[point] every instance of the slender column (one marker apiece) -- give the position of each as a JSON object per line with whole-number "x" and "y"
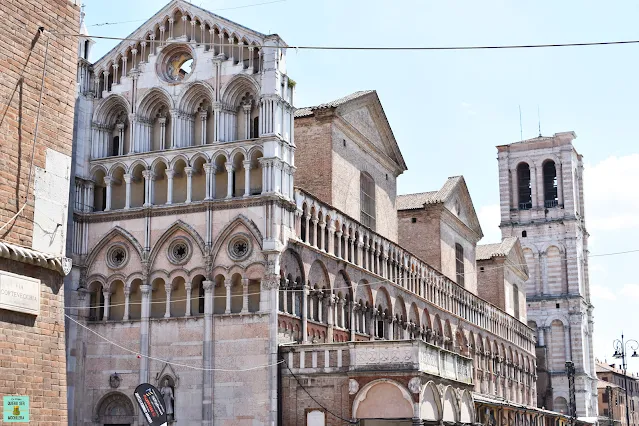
{"x": 322, "y": 233}
{"x": 567, "y": 342}
{"x": 124, "y": 60}
{"x": 152, "y": 48}
{"x": 207, "y": 356}
{"x": 331, "y": 239}
{"x": 116, "y": 79}
{"x": 307, "y": 230}
{"x": 208, "y": 168}
{"x": 229, "y": 187}
{"x": 89, "y": 202}
{"x": 143, "y": 55}
{"x": 120, "y": 127}
{"x": 214, "y": 170}
{"x": 127, "y": 294}
{"x": 533, "y": 186}
{"x": 227, "y": 284}
{"x": 338, "y": 235}
{"x": 250, "y": 49}
{"x": 314, "y": 242}
{"x": 162, "y": 38}
{"x": 134, "y": 52}
{"x": 127, "y": 180}
{"x": 108, "y": 181}
{"x": 167, "y": 311}
{"x": 217, "y": 110}
{"x": 169, "y": 186}
{"x": 189, "y": 176}
{"x": 105, "y": 74}
{"x": 247, "y": 177}
{"x": 212, "y": 37}
{"x": 192, "y": 30}
{"x": 162, "y": 121}
{"x": 247, "y": 119}
{"x": 184, "y": 26}
{"x": 320, "y": 306}
{"x": 231, "y": 42}
{"x": 245, "y": 286}
{"x": 187, "y": 288}
{"x": 203, "y": 115}
{"x": 305, "y": 291}
{"x": 107, "y": 300}
{"x": 148, "y": 182}
{"x": 133, "y": 127}
{"x": 560, "y": 184}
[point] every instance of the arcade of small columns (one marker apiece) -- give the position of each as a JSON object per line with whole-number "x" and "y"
{"x": 164, "y": 298}
{"x": 225, "y": 44}
{"x": 317, "y": 307}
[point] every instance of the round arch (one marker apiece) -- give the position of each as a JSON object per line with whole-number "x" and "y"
{"x": 383, "y": 398}
{"x": 115, "y": 408}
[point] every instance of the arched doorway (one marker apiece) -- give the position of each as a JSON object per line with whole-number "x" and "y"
{"x": 383, "y": 402}
{"x": 115, "y": 409}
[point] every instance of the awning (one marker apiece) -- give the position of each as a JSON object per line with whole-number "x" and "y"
{"x": 60, "y": 264}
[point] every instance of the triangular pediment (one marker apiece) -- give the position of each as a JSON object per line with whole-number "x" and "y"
{"x": 367, "y": 119}
{"x": 456, "y": 199}
{"x": 182, "y": 8}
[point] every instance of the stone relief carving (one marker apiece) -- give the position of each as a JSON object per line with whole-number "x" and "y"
{"x": 415, "y": 385}
{"x": 353, "y": 387}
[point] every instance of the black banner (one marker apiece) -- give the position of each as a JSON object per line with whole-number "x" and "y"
{"x": 152, "y": 404}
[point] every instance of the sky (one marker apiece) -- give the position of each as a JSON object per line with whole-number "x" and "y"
{"x": 449, "y": 109}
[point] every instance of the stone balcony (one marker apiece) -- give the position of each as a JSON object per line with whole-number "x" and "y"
{"x": 378, "y": 356}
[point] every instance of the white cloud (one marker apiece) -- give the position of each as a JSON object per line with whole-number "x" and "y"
{"x": 598, "y": 292}
{"x": 611, "y": 193}
{"x": 489, "y": 218}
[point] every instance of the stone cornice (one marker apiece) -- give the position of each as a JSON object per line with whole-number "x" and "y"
{"x": 60, "y": 264}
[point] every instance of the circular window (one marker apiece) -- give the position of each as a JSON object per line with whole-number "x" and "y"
{"x": 239, "y": 247}
{"x": 179, "y": 251}
{"x": 117, "y": 257}
{"x": 175, "y": 63}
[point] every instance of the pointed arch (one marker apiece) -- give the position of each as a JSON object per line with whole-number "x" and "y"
{"x": 193, "y": 95}
{"x": 148, "y": 102}
{"x": 179, "y": 225}
{"x": 467, "y": 408}
{"x": 450, "y": 406}
{"x": 232, "y": 92}
{"x": 240, "y": 219}
{"x": 108, "y": 110}
{"x": 106, "y": 239}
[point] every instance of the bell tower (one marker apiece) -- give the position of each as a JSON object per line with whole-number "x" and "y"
{"x": 541, "y": 202}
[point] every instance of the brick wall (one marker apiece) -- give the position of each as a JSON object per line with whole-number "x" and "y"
{"x": 32, "y": 347}
{"x": 21, "y": 70}
{"x": 313, "y": 157}
{"x": 32, "y": 358}
{"x": 421, "y": 238}
{"x": 490, "y": 282}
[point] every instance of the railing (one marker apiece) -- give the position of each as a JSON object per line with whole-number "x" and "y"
{"x": 384, "y": 258}
{"x": 379, "y": 355}
{"x": 525, "y": 206}
{"x": 551, "y": 203}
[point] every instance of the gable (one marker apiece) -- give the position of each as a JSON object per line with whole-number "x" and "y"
{"x": 459, "y": 203}
{"x": 199, "y": 14}
{"x": 361, "y": 119}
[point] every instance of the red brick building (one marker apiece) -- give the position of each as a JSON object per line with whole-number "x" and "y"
{"x": 36, "y": 129}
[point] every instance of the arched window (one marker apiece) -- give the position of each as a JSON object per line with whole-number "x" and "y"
{"x": 256, "y": 128}
{"x": 367, "y": 200}
{"x": 86, "y": 49}
{"x": 115, "y": 148}
{"x": 459, "y": 264}
{"x": 550, "y": 184}
{"x": 524, "y": 187}
{"x": 524, "y": 234}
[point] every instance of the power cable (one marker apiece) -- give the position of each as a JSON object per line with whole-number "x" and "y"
{"x": 177, "y": 364}
{"x": 350, "y": 422}
{"x": 35, "y": 132}
{"x": 385, "y": 48}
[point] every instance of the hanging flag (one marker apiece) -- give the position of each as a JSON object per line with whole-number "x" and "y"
{"x": 152, "y": 404}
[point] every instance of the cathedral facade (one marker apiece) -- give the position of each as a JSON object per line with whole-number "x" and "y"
{"x": 262, "y": 279}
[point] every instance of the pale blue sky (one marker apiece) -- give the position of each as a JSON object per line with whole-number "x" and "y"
{"x": 449, "y": 110}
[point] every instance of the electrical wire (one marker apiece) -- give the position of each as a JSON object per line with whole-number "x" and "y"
{"x": 177, "y": 364}
{"x": 350, "y": 422}
{"x": 35, "y": 132}
{"x": 382, "y": 48}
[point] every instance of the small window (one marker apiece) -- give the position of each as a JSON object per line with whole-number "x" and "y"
{"x": 413, "y": 220}
{"x": 605, "y": 397}
{"x": 115, "y": 147}
{"x": 481, "y": 269}
{"x": 367, "y": 200}
{"x": 344, "y": 142}
{"x": 256, "y": 128}
{"x": 86, "y": 49}
{"x": 386, "y": 176}
{"x": 516, "y": 300}
{"x": 557, "y": 305}
{"x": 459, "y": 264}
{"x": 524, "y": 234}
